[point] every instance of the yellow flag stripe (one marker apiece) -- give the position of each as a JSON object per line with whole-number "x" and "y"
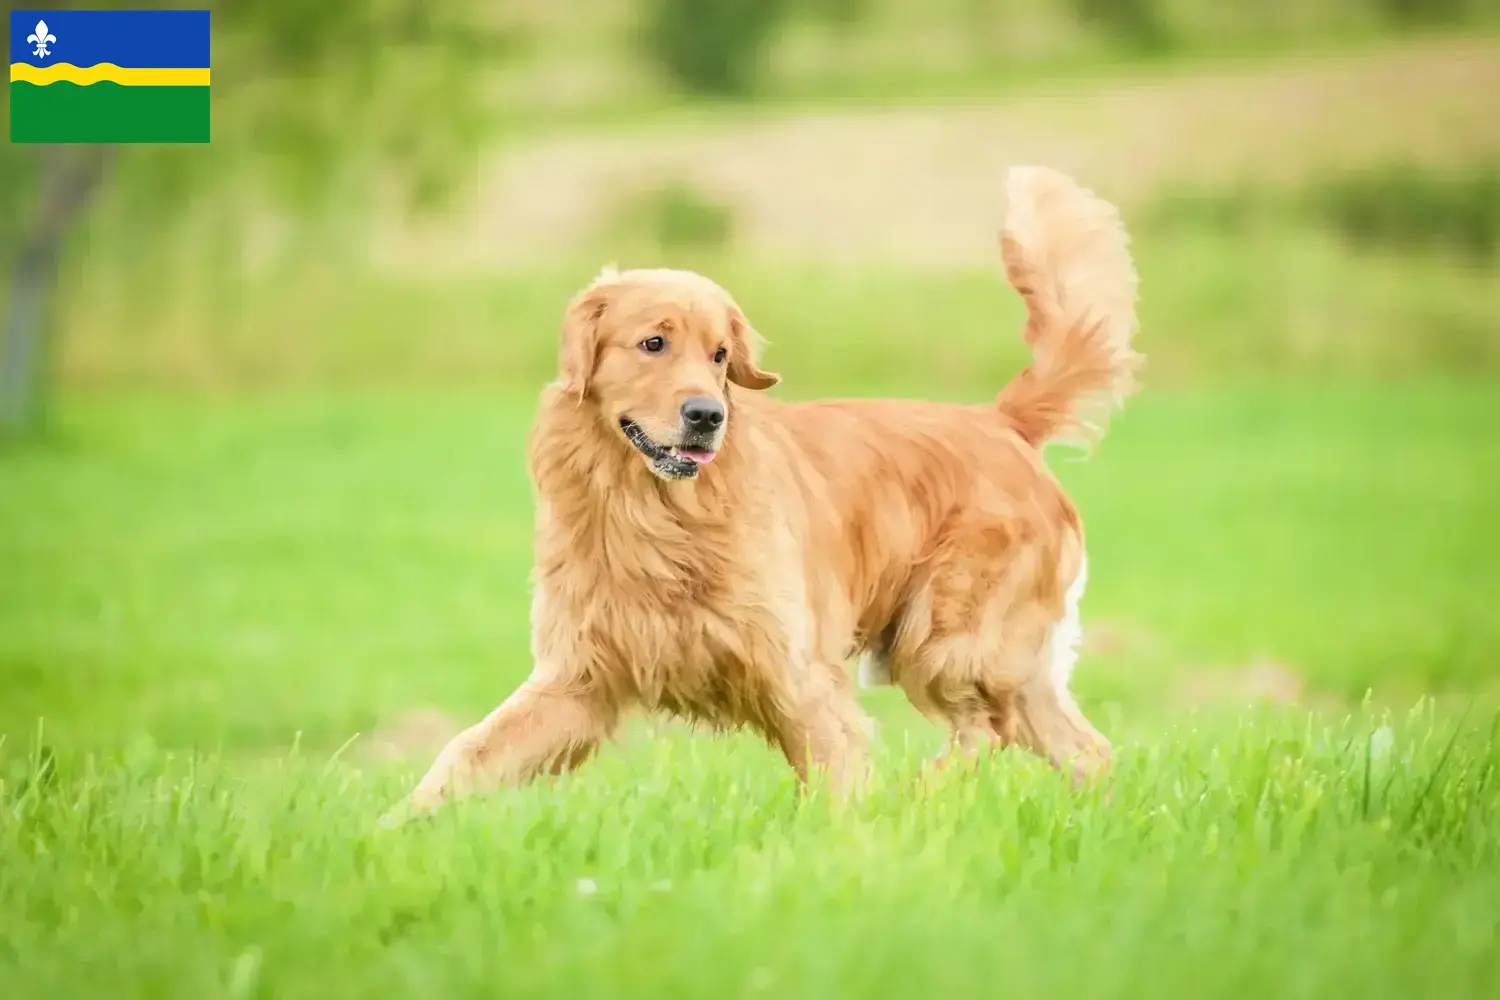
{"x": 107, "y": 73}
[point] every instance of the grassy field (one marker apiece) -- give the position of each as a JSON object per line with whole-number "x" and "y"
{"x": 1293, "y": 859}
{"x": 204, "y": 603}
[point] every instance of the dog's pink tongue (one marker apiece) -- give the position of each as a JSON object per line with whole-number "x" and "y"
{"x": 693, "y": 455}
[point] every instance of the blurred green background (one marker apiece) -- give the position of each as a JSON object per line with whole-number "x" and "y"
{"x": 265, "y": 400}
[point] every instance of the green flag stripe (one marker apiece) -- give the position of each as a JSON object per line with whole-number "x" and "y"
{"x": 107, "y": 112}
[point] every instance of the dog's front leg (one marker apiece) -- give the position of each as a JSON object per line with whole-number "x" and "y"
{"x": 540, "y": 728}
{"x": 822, "y": 731}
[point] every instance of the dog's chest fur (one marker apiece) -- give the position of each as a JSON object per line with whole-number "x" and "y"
{"x": 647, "y": 589}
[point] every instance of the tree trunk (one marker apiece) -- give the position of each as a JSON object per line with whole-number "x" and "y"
{"x": 70, "y": 176}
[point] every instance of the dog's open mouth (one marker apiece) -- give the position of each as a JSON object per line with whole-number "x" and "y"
{"x": 668, "y": 461}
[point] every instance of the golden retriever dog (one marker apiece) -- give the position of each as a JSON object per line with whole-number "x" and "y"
{"x": 706, "y": 550}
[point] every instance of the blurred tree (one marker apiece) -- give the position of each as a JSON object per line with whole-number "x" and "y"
{"x": 843, "y": 15}
{"x": 307, "y": 99}
{"x": 1142, "y": 27}
{"x": 1428, "y": 13}
{"x": 715, "y": 47}
{"x": 711, "y": 47}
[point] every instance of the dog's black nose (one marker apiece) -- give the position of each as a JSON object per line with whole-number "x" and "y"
{"x": 702, "y": 414}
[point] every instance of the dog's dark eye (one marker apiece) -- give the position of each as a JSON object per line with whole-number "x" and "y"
{"x": 654, "y": 345}
{"x": 720, "y": 355}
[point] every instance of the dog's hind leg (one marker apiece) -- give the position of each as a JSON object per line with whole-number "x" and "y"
{"x": 991, "y": 650}
{"x": 1042, "y": 714}
{"x": 1038, "y": 717}
{"x": 537, "y": 730}
{"x": 1045, "y": 719}
{"x": 970, "y": 720}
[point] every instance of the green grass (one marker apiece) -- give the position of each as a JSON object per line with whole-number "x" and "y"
{"x": 1277, "y": 859}
{"x": 193, "y": 588}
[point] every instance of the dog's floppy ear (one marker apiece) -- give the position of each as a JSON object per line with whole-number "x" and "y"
{"x": 578, "y": 348}
{"x": 745, "y": 344}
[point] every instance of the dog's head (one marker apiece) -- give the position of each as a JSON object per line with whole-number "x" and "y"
{"x": 654, "y": 352}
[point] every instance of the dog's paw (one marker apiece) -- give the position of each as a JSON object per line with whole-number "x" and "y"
{"x": 397, "y": 816}
{"x": 417, "y": 806}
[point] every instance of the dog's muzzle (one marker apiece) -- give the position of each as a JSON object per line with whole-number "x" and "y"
{"x": 681, "y": 461}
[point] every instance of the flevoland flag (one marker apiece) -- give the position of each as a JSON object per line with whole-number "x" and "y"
{"x": 109, "y": 76}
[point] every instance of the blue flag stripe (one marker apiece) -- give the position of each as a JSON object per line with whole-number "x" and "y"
{"x": 135, "y": 39}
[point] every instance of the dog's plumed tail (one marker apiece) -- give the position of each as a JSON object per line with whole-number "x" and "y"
{"x": 1067, "y": 254}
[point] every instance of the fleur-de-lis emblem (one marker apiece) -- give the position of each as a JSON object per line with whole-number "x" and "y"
{"x": 40, "y": 39}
